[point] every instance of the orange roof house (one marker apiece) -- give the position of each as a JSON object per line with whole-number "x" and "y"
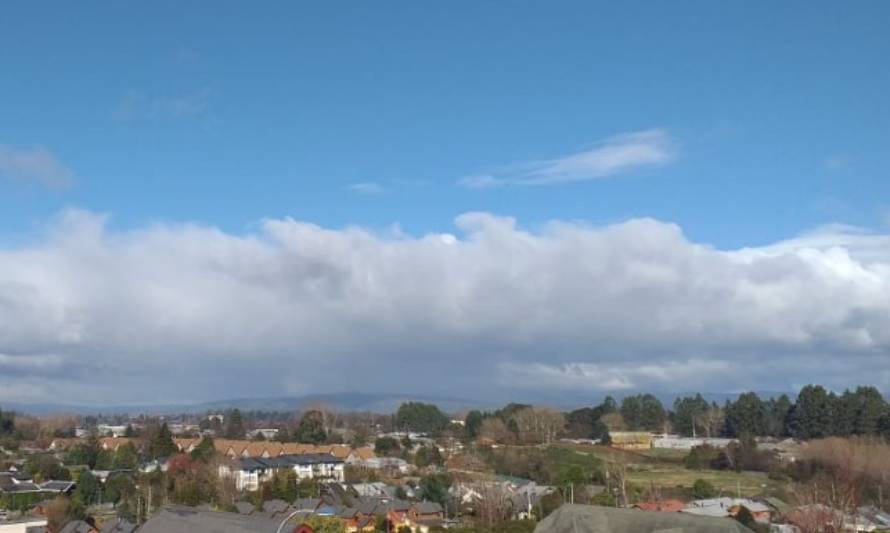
{"x": 663, "y": 506}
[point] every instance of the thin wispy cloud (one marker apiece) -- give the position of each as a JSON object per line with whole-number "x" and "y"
{"x": 139, "y": 106}
{"x": 365, "y": 187}
{"x": 35, "y": 165}
{"x": 615, "y": 155}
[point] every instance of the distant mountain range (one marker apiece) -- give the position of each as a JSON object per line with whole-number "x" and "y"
{"x": 358, "y": 401}
{"x": 376, "y": 403}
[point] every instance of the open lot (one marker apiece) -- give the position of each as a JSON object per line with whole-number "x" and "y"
{"x": 664, "y": 469}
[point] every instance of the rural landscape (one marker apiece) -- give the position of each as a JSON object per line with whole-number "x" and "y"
{"x": 817, "y": 462}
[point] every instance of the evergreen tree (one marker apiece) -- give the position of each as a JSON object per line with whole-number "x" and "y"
{"x": 869, "y": 407}
{"x": 311, "y": 428}
{"x": 472, "y": 424}
{"x": 643, "y": 412}
{"x": 234, "y": 425}
{"x": 161, "y": 444}
{"x": 421, "y": 417}
{"x": 204, "y": 451}
{"x": 777, "y": 416}
{"x": 812, "y": 416}
{"x": 746, "y": 416}
{"x": 689, "y": 415}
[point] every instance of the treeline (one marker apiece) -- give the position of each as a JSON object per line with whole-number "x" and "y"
{"x": 815, "y": 413}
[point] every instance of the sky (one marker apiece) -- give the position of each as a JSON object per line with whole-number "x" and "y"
{"x": 484, "y": 200}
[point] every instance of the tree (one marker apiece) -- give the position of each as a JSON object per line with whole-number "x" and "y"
{"x": 428, "y": 455}
{"x": 690, "y": 415}
{"x": 777, "y": 410}
{"x": 324, "y": 524}
{"x": 387, "y": 447}
{"x": 88, "y": 490}
{"x": 473, "y": 423}
{"x": 104, "y": 460}
{"x": 812, "y": 416}
{"x": 643, "y": 412}
{"x": 435, "y": 488}
{"x": 7, "y": 423}
{"x": 868, "y": 408}
{"x": 536, "y": 425}
{"x": 421, "y": 417}
{"x": 703, "y": 489}
{"x": 744, "y": 517}
{"x": 746, "y": 416}
{"x": 311, "y": 428}
{"x": 161, "y": 444}
{"x": 86, "y": 453}
{"x": 46, "y": 467}
{"x": 235, "y": 425}
{"x": 57, "y": 513}
{"x": 204, "y": 451}
{"x": 494, "y": 430}
{"x": 119, "y": 487}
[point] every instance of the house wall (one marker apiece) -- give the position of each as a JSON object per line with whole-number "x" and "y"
{"x": 21, "y": 527}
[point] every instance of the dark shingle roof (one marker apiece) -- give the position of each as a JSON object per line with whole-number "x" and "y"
{"x": 286, "y": 460}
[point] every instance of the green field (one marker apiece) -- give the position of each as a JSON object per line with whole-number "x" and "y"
{"x": 664, "y": 469}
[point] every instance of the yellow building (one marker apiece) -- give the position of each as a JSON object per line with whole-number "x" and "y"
{"x": 631, "y": 440}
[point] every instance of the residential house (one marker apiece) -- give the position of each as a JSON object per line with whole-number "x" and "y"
{"x": 729, "y": 507}
{"x": 676, "y": 442}
{"x": 661, "y": 506}
{"x": 389, "y": 464}
{"x": 251, "y": 472}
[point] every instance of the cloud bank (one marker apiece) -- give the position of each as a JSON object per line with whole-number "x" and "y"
{"x": 622, "y": 153}
{"x": 189, "y": 312}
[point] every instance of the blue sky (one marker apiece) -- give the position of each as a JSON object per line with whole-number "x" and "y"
{"x": 228, "y": 115}
{"x": 565, "y": 196}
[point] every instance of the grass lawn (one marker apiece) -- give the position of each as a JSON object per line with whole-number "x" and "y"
{"x": 664, "y": 469}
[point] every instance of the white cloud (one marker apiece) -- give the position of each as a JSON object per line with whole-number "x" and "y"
{"x": 191, "y": 312}
{"x": 622, "y": 153}
{"x": 365, "y": 187}
{"x": 34, "y": 165}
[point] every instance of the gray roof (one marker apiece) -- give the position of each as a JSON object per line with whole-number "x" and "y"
{"x": 306, "y": 504}
{"x": 275, "y": 506}
{"x": 593, "y": 519}
{"x": 118, "y": 526}
{"x": 77, "y": 526}
{"x": 427, "y": 507}
{"x": 398, "y": 505}
{"x": 7, "y": 484}
{"x": 348, "y": 512}
{"x": 286, "y": 460}
{"x": 57, "y": 486}
{"x": 366, "y": 505}
{"x": 188, "y": 520}
{"x": 244, "y": 507}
